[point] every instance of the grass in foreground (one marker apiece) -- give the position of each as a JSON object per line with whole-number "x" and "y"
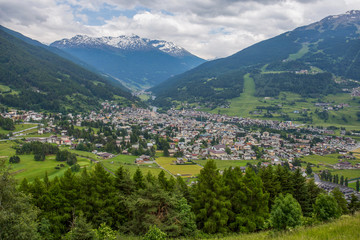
{"x": 344, "y": 228}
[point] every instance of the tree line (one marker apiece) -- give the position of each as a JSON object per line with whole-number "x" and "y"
{"x": 219, "y": 203}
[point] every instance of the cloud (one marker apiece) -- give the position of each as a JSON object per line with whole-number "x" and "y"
{"x": 207, "y": 28}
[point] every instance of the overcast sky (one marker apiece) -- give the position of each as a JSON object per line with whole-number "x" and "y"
{"x": 207, "y": 28}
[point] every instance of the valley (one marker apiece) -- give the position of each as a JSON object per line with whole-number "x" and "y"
{"x": 125, "y": 137}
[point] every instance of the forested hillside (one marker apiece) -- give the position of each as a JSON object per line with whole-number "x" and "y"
{"x": 306, "y": 60}
{"x": 33, "y": 78}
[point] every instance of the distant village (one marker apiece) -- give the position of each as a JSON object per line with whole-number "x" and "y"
{"x": 197, "y": 135}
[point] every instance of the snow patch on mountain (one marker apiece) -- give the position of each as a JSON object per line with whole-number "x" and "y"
{"x": 132, "y": 42}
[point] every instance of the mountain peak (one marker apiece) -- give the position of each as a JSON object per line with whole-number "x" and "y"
{"x": 125, "y": 42}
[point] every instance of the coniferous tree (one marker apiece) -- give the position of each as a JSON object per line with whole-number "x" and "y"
{"x": 80, "y": 230}
{"x": 300, "y": 192}
{"x": 357, "y": 185}
{"x": 342, "y": 180}
{"x": 283, "y": 175}
{"x": 102, "y": 198}
{"x": 211, "y": 207}
{"x": 340, "y": 199}
{"x": 249, "y": 205}
{"x": 346, "y": 182}
{"x": 138, "y": 179}
{"x": 271, "y": 184}
{"x": 354, "y": 204}
{"x": 17, "y": 214}
{"x": 313, "y": 193}
{"x": 308, "y": 169}
{"x": 123, "y": 182}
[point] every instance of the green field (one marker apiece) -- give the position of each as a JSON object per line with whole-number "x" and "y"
{"x": 326, "y": 162}
{"x": 291, "y": 104}
{"x": 128, "y": 162}
{"x": 30, "y": 169}
{"x": 18, "y": 127}
{"x": 222, "y": 164}
{"x": 183, "y": 170}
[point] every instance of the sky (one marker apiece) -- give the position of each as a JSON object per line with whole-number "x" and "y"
{"x": 207, "y": 28}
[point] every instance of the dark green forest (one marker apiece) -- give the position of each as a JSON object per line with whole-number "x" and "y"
{"x": 307, "y": 85}
{"x": 94, "y": 201}
{"x": 41, "y": 80}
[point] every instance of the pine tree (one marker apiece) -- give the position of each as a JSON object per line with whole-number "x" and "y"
{"x": 80, "y": 230}
{"x": 300, "y": 192}
{"x": 283, "y": 175}
{"x": 17, "y": 215}
{"x": 138, "y": 179}
{"x": 102, "y": 198}
{"x": 357, "y": 185}
{"x": 249, "y": 205}
{"x": 342, "y": 180}
{"x": 354, "y": 204}
{"x": 308, "y": 169}
{"x": 123, "y": 182}
{"x": 346, "y": 182}
{"x": 211, "y": 207}
{"x": 313, "y": 193}
{"x": 271, "y": 184}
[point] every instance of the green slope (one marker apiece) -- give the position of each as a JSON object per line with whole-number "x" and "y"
{"x": 37, "y": 79}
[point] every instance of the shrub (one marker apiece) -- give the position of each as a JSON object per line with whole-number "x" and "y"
{"x": 326, "y": 208}
{"x": 285, "y": 213}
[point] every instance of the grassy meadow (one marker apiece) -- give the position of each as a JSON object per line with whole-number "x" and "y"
{"x": 128, "y": 162}
{"x": 183, "y": 170}
{"x": 19, "y": 127}
{"x": 291, "y": 104}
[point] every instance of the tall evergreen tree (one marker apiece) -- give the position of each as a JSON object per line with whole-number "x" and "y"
{"x": 211, "y": 207}
{"x": 271, "y": 184}
{"x": 249, "y": 205}
{"x": 123, "y": 182}
{"x": 284, "y": 176}
{"x": 138, "y": 178}
{"x": 357, "y": 185}
{"x": 301, "y": 193}
{"x": 17, "y": 214}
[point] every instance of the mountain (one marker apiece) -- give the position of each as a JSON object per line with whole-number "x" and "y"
{"x": 137, "y": 62}
{"x": 321, "y": 51}
{"x": 62, "y": 54}
{"x": 32, "y": 77}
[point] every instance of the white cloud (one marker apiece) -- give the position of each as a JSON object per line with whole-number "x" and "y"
{"x": 208, "y": 28}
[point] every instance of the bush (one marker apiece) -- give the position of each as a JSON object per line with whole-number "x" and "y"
{"x": 14, "y": 159}
{"x": 326, "y": 208}
{"x": 75, "y": 168}
{"x": 154, "y": 233}
{"x": 285, "y": 213}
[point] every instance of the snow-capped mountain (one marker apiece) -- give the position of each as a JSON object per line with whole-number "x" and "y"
{"x": 133, "y": 42}
{"x": 136, "y": 62}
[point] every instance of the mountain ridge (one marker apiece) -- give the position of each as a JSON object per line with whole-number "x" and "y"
{"x": 329, "y": 45}
{"x": 139, "y": 63}
{"x": 32, "y": 77}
